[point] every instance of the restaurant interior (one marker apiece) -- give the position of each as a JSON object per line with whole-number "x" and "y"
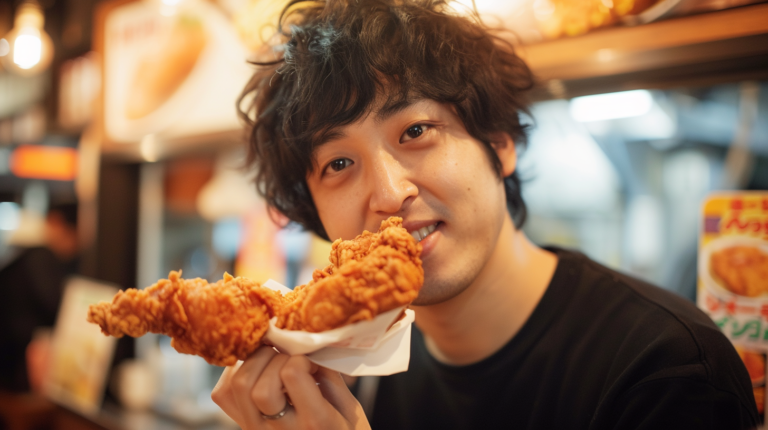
{"x": 122, "y": 114}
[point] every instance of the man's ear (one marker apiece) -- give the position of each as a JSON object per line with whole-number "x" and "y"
{"x": 504, "y": 146}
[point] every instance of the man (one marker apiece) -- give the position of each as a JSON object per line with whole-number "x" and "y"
{"x": 384, "y": 107}
{"x": 31, "y": 286}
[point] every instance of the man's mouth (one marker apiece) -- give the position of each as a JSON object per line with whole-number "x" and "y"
{"x": 423, "y": 232}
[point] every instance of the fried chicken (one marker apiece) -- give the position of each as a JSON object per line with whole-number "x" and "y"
{"x": 225, "y": 321}
{"x": 741, "y": 269}
{"x": 369, "y": 275}
{"x": 221, "y": 322}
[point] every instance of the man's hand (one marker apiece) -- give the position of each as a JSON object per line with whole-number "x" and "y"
{"x": 265, "y": 382}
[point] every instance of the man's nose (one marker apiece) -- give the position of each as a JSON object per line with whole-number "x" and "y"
{"x": 391, "y": 186}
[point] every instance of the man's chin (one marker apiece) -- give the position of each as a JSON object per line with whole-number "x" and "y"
{"x": 435, "y": 294}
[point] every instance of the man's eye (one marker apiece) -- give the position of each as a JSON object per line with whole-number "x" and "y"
{"x": 340, "y": 164}
{"x": 415, "y": 131}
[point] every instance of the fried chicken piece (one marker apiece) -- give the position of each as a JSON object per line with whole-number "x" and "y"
{"x": 741, "y": 269}
{"x": 343, "y": 251}
{"x": 225, "y": 321}
{"x": 222, "y": 322}
{"x": 369, "y": 275}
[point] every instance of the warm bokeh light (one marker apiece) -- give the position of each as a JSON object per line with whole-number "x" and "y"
{"x": 27, "y": 50}
{"x": 493, "y": 7}
{"x": 44, "y": 162}
{"x": 149, "y": 148}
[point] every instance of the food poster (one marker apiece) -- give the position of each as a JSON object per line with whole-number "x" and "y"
{"x": 171, "y": 71}
{"x": 733, "y": 276}
{"x": 80, "y": 353}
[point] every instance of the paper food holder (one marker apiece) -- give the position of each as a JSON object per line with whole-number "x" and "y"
{"x": 365, "y": 348}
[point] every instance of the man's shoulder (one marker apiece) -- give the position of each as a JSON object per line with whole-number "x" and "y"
{"x": 650, "y": 341}
{"x": 658, "y": 336}
{"x": 641, "y": 298}
{"x": 649, "y": 308}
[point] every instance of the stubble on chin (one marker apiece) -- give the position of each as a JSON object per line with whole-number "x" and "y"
{"x": 438, "y": 289}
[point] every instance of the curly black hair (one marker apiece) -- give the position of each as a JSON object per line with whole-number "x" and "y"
{"x": 338, "y": 58}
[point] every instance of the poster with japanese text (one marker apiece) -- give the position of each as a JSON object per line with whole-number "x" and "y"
{"x": 733, "y": 276}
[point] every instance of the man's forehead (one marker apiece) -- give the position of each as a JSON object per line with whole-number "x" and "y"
{"x": 380, "y": 112}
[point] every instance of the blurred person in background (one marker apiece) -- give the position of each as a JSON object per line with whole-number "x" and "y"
{"x": 379, "y": 108}
{"x": 31, "y": 285}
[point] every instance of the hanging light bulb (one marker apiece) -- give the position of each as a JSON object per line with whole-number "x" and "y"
{"x": 29, "y": 48}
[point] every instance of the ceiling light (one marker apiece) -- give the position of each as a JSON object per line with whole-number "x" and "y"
{"x": 491, "y": 7}
{"x": 611, "y": 106}
{"x": 28, "y": 49}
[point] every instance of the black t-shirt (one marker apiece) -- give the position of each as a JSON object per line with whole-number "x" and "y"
{"x": 600, "y": 351}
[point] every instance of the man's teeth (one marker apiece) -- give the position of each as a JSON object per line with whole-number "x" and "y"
{"x": 423, "y": 232}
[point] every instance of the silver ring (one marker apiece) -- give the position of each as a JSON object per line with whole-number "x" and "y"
{"x": 277, "y": 415}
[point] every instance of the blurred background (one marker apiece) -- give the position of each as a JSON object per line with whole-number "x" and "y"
{"x": 121, "y": 159}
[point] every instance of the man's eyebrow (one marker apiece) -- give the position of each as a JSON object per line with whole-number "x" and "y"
{"x": 390, "y": 109}
{"x": 330, "y": 135}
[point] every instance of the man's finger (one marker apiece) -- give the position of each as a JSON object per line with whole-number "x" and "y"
{"x": 223, "y": 395}
{"x": 267, "y": 394}
{"x": 335, "y": 390}
{"x": 245, "y": 378}
{"x": 296, "y": 376}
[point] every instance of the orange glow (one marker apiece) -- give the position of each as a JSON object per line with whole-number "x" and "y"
{"x": 44, "y": 162}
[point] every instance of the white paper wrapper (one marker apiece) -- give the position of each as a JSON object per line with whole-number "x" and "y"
{"x": 364, "y": 348}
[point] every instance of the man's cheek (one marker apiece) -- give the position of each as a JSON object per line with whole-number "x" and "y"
{"x": 445, "y": 173}
{"x": 346, "y": 224}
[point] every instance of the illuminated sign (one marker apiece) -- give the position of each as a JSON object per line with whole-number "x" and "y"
{"x": 44, "y": 162}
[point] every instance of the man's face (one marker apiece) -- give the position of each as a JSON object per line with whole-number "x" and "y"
{"x": 422, "y": 165}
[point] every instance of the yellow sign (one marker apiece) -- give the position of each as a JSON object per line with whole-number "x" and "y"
{"x": 733, "y": 276}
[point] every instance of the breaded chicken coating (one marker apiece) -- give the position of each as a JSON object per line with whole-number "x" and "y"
{"x": 369, "y": 275}
{"x": 225, "y": 321}
{"x": 222, "y": 322}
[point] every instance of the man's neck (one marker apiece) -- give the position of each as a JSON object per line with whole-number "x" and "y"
{"x": 485, "y": 316}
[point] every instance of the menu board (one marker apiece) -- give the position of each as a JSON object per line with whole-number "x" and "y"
{"x": 733, "y": 276}
{"x": 171, "y": 71}
{"x": 80, "y": 353}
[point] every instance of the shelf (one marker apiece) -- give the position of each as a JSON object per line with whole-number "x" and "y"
{"x": 704, "y": 49}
